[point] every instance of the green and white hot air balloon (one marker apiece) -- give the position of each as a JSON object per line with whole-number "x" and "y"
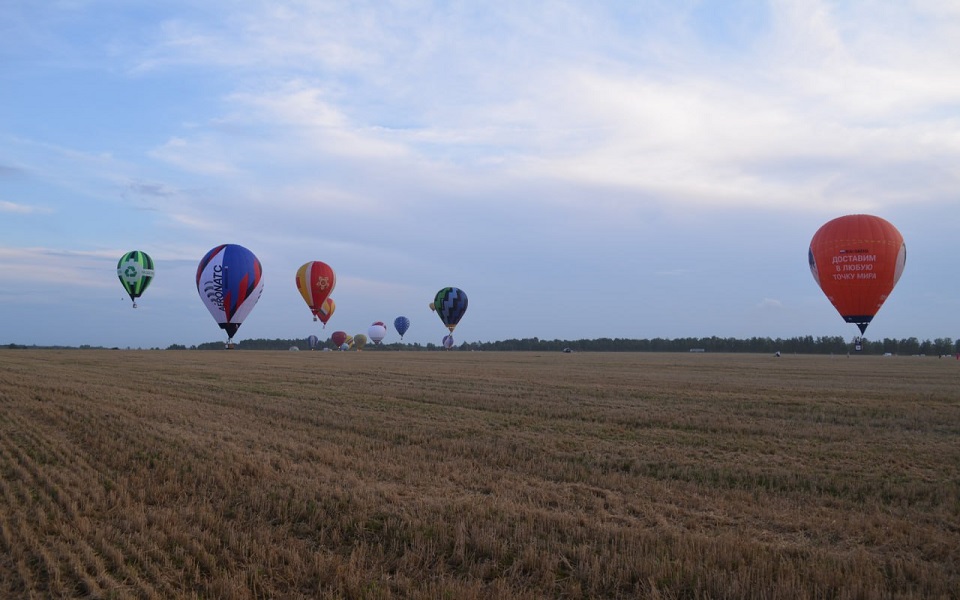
{"x": 135, "y": 271}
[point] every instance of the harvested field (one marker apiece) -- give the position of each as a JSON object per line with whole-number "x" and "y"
{"x": 167, "y": 474}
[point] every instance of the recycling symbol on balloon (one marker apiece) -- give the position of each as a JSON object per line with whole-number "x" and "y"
{"x": 130, "y": 272}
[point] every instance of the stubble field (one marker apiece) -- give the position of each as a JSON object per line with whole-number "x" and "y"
{"x": 204, "y": 474}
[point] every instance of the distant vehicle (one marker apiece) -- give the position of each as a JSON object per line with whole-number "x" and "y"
{"x": 567, "y": 350}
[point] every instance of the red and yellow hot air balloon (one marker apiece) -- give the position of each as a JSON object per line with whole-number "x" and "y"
{"x": 857, "y": 260}
{"x": 315, "y": 280}
{"x": 326, "y": 311}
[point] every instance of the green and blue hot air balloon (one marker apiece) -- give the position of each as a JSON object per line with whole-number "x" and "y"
{"x": 450, "y": 303}
{"x": 135, "y": 271}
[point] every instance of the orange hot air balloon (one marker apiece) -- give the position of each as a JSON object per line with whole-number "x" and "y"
{"x": 856, "y": 260}
{"x": 315, "y": 280}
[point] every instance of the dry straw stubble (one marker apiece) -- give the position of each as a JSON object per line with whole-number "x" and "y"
{"x": 475, "y": 475}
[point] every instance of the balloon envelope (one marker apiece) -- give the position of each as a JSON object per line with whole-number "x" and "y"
{"x": 338, "y": 338}
{"x": 377, "y": 332}
{"x": 359, "y": 341}
{"x": 229, "y": 281}
{"x": 312, "y": 341}
{"x": 135, "y": 270}
{"x": 857, "y": 260}
{"x": 326, "y": 310}
{"x": 401, "y": 324}
{"x": 450, "y": 303}
{"x": 315, "y": 280}
{"x": 448, "y": 341}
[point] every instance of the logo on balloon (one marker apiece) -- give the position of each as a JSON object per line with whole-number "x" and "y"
{"x": 214, "y": 289}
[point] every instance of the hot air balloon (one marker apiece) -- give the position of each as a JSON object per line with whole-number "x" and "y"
{"x": 338, "y": 338}
{"x": 401, "y": 324}
{"x": 312, "y": 341}
{"x": 135, "y": 270}
{"x": 359, "y": 341}
{"x": 344, "y": 347}
{"x": 857, "y": 260}
{"x": 448, "y": 341}
{"x": 315, "y": 280}
{"x": 326, "y": 311}
{"x": 349, "y": 341}
{"x": 377, "y": 332}
{"x": 450, "y": 303}
{"x": 229, "y": 281}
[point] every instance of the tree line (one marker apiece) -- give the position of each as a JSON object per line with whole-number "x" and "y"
{"x": 795, "y": 345}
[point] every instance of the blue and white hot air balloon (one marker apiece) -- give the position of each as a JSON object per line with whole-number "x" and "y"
{"x": 229, "y": 281}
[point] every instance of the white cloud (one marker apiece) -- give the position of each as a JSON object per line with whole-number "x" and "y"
{"x": 807, "y": 122}
{"x": 46, "y": 265}
{"x": 770, "y": 303}
{"x": 23, "y": 209}
{"x": 204, "y": 155}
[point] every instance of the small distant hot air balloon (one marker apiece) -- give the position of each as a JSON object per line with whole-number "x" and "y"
{"x": 401, "y": 324}
{"x": 315, "y": 280}
{"x": 349, "y": 341}
{"x": 857, "y": 260}
{"x": 135, "y": 270}
{"x": 450, "y": 303}
{"x": 326, "y": 311}
{"x": 448, "y": 341}
{"x": 229, "y": 281}
{"x": 312, "y": 341}
{"x": 344, "y": 347}
{"x": 359, "y": 341}
{"x": 338, "y": 338}
{"x": 377, "y": 332}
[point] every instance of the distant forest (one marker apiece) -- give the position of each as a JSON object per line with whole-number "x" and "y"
{"x": 797, "y": 345}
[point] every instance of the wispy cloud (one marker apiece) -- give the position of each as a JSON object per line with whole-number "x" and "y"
{"x": 23, "y": 209}
{"x": 46, "y": 265}
{"x": 770, "y": 303}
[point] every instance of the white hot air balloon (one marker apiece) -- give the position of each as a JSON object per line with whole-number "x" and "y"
{"x": 377, "y": 332}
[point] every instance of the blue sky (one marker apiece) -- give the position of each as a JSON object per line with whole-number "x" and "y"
{"x": 581, "y": 169}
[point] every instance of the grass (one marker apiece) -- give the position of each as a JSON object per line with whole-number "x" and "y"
{"x": 163, "y": 474}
